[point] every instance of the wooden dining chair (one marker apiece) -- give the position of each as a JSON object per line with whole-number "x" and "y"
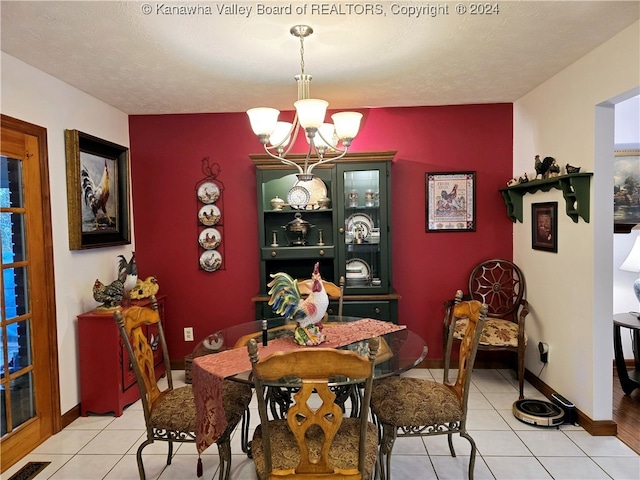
{"x": 315, "y": 441}
{"x": 499, "y": 284}
{"x": 409, "y": 407}
{"x": 170, "y": 414}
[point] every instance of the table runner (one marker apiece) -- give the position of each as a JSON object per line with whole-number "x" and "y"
{"x": 209, "y": 371}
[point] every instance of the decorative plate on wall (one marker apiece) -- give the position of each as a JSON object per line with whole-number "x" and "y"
{"x": 209, "y": 215}
{"x": 211, "y": 260}
{"x": 209, "y": 238}
{"x": 208, "y": 192}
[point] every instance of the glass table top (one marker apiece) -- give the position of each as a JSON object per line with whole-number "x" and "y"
{"x": 399, "y": 351}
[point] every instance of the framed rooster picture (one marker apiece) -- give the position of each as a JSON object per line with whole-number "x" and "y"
{"x": 97, "y": 192}
{"x": 451, "y": 202}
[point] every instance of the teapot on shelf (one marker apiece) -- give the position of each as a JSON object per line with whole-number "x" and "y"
{"x": 297, "y": 230}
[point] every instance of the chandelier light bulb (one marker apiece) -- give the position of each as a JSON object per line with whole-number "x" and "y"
{"x": 263, "y": 120}
{"x": 311, "y": 112}
{"x": 325, "y": 138}
{"x": 347, "y": 125}
{"x": 281, "y": 135}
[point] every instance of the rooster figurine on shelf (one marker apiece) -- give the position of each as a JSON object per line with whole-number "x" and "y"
{"x": 114, "y": 294}
{"x": 308, "y": 313}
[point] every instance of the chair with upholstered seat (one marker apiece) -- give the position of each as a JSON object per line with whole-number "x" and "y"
{"x": 501, "y": 286}
{"x": 405, "y": 407}
{"x": 170, "y": 414}
{"x": 315, "y": 441}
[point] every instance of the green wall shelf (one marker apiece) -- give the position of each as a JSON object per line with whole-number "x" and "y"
{"x": 575, "y": 190}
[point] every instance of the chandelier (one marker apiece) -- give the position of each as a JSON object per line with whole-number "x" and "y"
{"x": 278, "y": 138}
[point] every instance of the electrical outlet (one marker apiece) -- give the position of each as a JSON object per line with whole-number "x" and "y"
{"x": 543, "y": 348}
{"x": 188, "y": 334}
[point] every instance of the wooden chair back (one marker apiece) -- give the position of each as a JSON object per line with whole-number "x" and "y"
{"x": 132, "y": 323}
{"x": 314, "y": 366}
{"x": 476, "y": 312}
{"x": 501, "y": 286}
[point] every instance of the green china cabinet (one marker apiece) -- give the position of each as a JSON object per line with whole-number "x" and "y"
{"x": 341, "y": 218}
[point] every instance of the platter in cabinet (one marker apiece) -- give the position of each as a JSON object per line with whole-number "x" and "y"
{"x": 298, "y": 197}
{"x": 317, "y": 190}
{"x": 358, "y": 272}
{"x": 359, "y": 221}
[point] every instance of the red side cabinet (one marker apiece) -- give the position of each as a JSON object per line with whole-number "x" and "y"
{"x": 107, "y": 380}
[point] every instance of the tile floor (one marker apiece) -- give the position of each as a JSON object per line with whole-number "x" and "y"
{"x": 104, "y": 447}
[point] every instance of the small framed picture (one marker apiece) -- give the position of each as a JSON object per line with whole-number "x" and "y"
{"x": 451, "y": 199}
{"x": 544, "y": 226}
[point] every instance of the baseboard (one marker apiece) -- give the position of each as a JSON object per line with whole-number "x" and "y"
{"x": 629, "y": 362}
{"x": 593, "y": 427}
{"x": 69, "y": 417}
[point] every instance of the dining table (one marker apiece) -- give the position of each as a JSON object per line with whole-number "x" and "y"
{"x": 223, "y": 355}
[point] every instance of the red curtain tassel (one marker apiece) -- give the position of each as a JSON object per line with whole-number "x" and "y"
{"x": 199, "y": 469}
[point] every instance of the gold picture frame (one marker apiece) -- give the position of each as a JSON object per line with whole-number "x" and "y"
{"x": 97, "y": 192}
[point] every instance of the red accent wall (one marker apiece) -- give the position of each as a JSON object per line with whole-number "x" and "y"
{"x": 166, "y": 154}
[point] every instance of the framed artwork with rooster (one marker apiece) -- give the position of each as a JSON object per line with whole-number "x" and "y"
{"x": 97, "y": 192}
{"x": 450, "y": 202}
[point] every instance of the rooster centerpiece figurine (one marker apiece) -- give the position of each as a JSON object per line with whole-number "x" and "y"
{"x": 308, "y": 313}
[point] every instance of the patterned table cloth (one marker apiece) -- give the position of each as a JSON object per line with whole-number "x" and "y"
{"x": 209, "y": 371}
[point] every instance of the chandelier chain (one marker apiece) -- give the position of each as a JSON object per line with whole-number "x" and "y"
{"x": 302, "y": 55}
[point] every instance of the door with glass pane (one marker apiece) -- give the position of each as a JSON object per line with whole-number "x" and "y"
{"x": 29, "y": 392}
{"x": 364, "y": 260}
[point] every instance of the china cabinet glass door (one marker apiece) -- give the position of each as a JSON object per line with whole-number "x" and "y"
{"x": 363, "y": 225}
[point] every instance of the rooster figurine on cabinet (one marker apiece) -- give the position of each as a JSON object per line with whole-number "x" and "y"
{"x": 114, "y": 294}
{"x": 308, "y": 313}
{"x": 145, "y": 288}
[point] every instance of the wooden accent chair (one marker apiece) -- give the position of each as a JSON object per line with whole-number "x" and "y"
{"x": 170, "y": 414}
{"x": 501, "y": 286}
{"x": 314, "y": 442}
{"x": 407, "y": 407}
{"x": 333, "y": 291}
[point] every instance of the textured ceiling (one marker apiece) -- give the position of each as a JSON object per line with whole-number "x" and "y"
{"x": 221, "y": 59}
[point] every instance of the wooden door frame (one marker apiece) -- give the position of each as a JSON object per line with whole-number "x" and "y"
{"x": 11, "y": 451}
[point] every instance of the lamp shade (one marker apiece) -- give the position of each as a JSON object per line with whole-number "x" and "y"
{"x": 632, "y": 262}
{"x": 347, "y": 124}
{"x": 311, "y": 112}
{"x": 263, "y": 120}
{"x": 281, "y": 134}
{"x": 326, "y": 132}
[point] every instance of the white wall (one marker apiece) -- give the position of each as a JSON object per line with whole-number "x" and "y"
{"x": 570, "y": 292}
{"x": 35, "y": 97}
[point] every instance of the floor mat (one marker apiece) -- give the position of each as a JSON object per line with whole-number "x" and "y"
{"x": 29, "y": 471}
